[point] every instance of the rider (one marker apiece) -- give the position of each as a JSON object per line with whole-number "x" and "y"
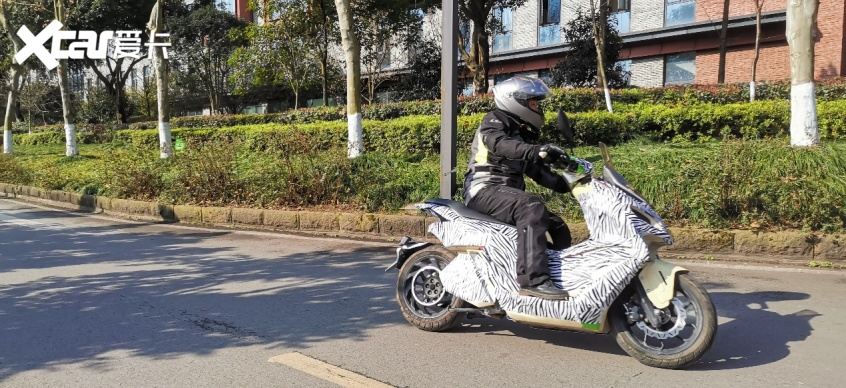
{"x": 501, "y": 155}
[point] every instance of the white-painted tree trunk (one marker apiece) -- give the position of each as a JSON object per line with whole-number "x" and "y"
{"x": 759, "y": 4}
{"x": 157, "y": 25}
{"x": 355, "y": 133}
{"x": 803, "y": 115}
{"x": 801, "y": 24}
{"x": 608, "y": 99}
{"x": 71, "y": 148}
{"x": 15, "y": 73}
{"x": 10, "y": 109}
{"x": 752, "y": 91}
{"x": 352, "y": 51}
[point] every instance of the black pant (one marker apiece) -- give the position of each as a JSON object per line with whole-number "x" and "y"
{"x": 533, "y": 221}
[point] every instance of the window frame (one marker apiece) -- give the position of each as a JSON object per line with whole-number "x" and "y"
{"x": 667, "y": 61}
{"x": 543, "y": 21}
{"x": 666, "y": 14}
{"x": 506, "y": 33}
{"x": 615, "y": 6}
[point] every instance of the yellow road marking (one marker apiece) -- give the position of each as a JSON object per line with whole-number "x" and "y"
{"x": 324, "y": 371}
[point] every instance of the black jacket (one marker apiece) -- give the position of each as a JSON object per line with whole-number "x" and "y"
{"x": 501, "y": 155}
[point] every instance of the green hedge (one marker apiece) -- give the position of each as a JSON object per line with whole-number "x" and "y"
{"x": 571, "y": 100}
{"x": 415, "y": 134}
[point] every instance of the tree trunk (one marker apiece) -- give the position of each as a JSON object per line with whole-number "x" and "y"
{"x": 480, "y": 58}
{"x": 15, "y": 73}
{"x": 600, "y": 22}
{"x": 721, "y": 71}
{"x": 324, "y": 82}
{"x": 157, "y": 25}
{"x": 352, "y": 51}
{"x": 15, "y": 81}
{"x": 324, "y": 54}
{"x": 801, "y": 26}
{"x": 62, "y": 70}
{"x": 759, "y": 4}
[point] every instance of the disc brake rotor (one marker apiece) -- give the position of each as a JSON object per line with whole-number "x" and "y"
{"x": 677, "y": 327}
{"x": 433, "y": 290}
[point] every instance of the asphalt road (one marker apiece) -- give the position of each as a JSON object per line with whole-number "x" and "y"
{"x": 89, "y": 301}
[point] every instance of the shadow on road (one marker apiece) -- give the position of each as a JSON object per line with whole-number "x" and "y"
{"x": 89, "y": 294}
{"x": 585, "y": 341}
{"x": 755, "y": 335}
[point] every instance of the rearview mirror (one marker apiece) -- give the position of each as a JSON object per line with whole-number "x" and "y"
{"x": 564, "y": 128}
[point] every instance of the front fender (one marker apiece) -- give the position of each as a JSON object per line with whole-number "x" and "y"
{"x": 658, "y": 278}
{"x": 407, "y": 247}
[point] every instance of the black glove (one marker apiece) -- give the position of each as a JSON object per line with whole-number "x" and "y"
{"x": 551, "y": 154}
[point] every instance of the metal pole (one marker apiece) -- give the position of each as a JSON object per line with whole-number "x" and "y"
{"x": 449, "y": 96}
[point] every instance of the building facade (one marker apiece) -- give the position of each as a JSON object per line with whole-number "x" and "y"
{"x": 669, "y": 42}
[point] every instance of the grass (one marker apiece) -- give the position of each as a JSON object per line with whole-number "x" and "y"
{"x": 740, "y": 184}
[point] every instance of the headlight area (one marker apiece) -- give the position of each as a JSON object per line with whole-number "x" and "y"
{"x": 659, "y": 235}
{"x": 645, "y": 216}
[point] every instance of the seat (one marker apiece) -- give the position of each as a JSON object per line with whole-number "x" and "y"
{"x": 465, "y": 211}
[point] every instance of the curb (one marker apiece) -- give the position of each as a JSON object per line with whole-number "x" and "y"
{"x": 776, "y": 248}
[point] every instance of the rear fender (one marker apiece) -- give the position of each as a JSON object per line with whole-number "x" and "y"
{"x": 658, "y": 278}
{"x": 407, "y": 247}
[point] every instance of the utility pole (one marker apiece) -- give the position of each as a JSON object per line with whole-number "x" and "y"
{"x": 449, "y": 97}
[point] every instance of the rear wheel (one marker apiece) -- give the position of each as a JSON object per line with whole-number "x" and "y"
{"x": 686, "y": 330}
{"x": 422, "y": 298}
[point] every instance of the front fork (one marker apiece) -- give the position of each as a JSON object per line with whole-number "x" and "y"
{"x": 656, "y": 287}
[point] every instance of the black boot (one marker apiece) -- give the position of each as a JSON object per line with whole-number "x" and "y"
{"x": 545, "y": 290}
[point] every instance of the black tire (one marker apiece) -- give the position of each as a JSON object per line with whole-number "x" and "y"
{"x": 438, "y": 316}
{"x": 702, "y": 332}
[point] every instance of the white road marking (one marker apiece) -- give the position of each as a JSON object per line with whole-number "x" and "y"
{"x": 324, "y": 371}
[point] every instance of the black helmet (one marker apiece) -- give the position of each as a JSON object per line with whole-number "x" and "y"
{"x": 513, "y": 97}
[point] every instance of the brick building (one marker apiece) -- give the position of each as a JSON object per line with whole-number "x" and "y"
{"x": 670, "y": 41}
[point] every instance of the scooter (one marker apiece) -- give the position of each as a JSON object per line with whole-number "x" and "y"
{"x": 617, "y": 283}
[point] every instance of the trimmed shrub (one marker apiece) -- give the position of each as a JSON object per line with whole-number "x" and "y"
{"x": 571, "y": 100}
{"x": 421, "y": 134}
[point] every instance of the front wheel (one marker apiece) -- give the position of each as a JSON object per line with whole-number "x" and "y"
{"x": 686, "y": 330}
{"x": 422, "y": 298}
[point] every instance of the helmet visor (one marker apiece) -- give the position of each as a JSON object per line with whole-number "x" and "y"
{"x": 533, "y": 89}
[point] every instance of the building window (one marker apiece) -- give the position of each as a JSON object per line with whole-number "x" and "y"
{"x": 227, "y": 5}
{"x": 464, "y": 29}
{"x": 385, "y": 54}
{"x": 549, "y": 25}
{"x": 621, "y": 14}
{"x": 500, "y": 78}
{"x": 77, "y": 81}
{"x": 502, "y": 39}
{"x": 680, "y": 69}
{"x": 546, "y": 76}
{"x": 625, "y": 68}
{"x": 680, "y": 12}
{"x": 469, "y": 89}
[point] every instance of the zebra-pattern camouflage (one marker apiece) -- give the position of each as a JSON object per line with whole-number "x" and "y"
{"x": 593, "y": 272}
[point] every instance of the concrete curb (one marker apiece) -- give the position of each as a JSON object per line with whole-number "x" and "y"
{"x": 781, "y": 247}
